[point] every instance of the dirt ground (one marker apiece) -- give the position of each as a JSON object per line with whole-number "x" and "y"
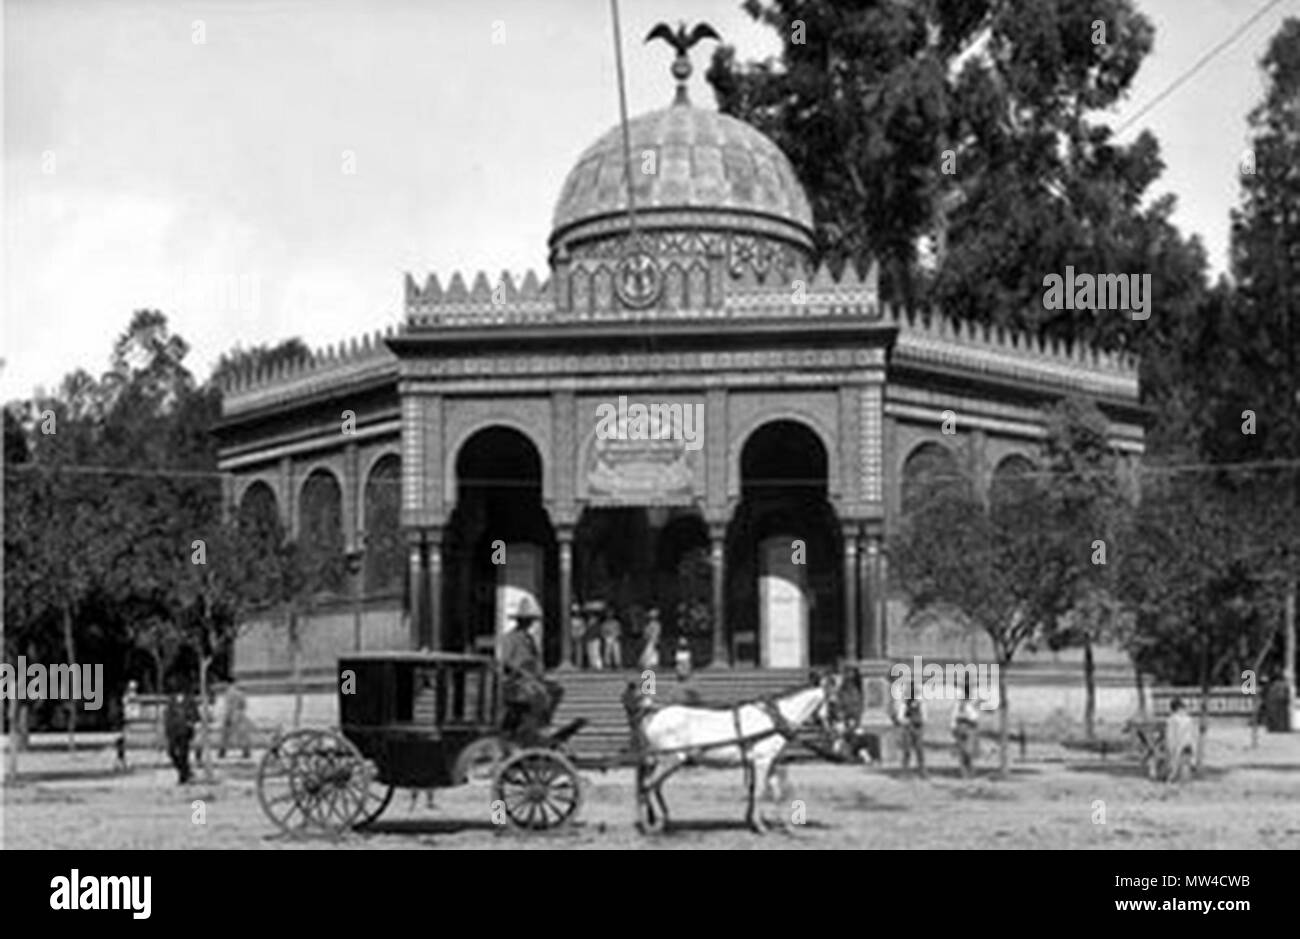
{"x": 1245, "y": 798}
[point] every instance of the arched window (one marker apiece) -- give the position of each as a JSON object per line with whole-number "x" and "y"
{"x": 385, "y": 554}
{"x": 930, "y": 471}
{"x": 320, "y": 533}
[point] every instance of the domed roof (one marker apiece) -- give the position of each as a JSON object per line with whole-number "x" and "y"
{"x": 703, "y": 161}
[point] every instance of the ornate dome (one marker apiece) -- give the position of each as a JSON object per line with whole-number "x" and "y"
{"x": 708, "y": 170}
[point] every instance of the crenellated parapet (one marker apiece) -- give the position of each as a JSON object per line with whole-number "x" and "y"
{"x": 932, "y": 341}
{"x": 358, "y": 360}
{"x": 483, "y": 303}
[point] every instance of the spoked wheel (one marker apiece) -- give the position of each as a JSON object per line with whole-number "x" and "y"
{"x": 378, "y": 795}
{"x": 538, "y": 788}
{"x": 478, "y": 762}
{"x": 313, "y": 782}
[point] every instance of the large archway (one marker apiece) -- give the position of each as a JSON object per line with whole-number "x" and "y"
{"x": 635, "y": 559}
{"x": 499, "y": 544}
{"x": 785, "y": 597}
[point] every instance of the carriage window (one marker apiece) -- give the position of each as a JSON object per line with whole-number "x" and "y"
{"x": 426, "y": 706}
{"x": 405, "y": 688}
{"x": 368, "y": 703}
{"x": 442, "y": 697}
{"x": 457, "y": 713}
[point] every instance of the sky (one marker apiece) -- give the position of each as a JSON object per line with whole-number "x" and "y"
{"x": 261, "y": 170}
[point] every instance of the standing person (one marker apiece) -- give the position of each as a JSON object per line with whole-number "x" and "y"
{"x": 1180, "y": 740}
{"x": 611, "y": 634}
{"x": 650, "y": 649}
{"x": 577, "y": 633}
{"x": 181, "y": 715}
{"x": 965, "y": 730}
{"x": 594, "y": 658}
{"x": 909, "y": 716}
{"x": 234, "y": 720}
{"x": 682, "y": 657}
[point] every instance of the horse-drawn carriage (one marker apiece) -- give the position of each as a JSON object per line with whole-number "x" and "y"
{"x": 426, "y": 720}
{"x": 418, "y": 720}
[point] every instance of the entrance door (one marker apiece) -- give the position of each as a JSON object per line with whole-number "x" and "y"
{"x": 782, "y": 606}
{"x": 519, "y": 577}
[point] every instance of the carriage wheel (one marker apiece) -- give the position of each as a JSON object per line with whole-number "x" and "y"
{"x": 538, "y": 788}
{"x": 478, "y": 762}
{"x": 313, "y": 782}
{"x": 378, "y": 795}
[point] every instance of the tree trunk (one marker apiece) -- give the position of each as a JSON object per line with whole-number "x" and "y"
{"x": 1205, "y": 703}
{"x": 1004, "y": 722}
{"x": 296, "y": 666}
{"x": 70, "y": 646}
{"x": 13, "y": 742}
{"x": 1289, "y": 656}
{"x": 1089, "y": 691}
{"x": 204, "y": 716}
{"x": 1141, "y": 690}
{"x": 159, "y": 671}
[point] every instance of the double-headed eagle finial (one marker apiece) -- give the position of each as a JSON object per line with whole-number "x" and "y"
{"x": 682, "y": 41}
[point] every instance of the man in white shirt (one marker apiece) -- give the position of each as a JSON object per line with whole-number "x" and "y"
{"x": 965, "y": 730}
{"x": 1180, "y": 740}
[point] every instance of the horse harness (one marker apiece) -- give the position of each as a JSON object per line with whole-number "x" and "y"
{"x": 742, "y": 740}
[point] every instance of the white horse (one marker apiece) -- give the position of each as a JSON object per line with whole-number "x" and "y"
{"x": 752, "y": 735}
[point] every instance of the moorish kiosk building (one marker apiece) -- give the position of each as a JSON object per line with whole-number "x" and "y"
{"x": 460, "y": 462}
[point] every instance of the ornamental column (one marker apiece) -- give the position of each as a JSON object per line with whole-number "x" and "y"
{"x": 415, "y": 586}
{"x": 434, "y": 547}
{"x": 872, "y": 575}
{"x": 564, "y": 535}
{"x": 717, "y": 560}
{"x": 851, "y": 619}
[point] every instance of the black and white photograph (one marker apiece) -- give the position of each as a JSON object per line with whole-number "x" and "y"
{"x": 653, "y": 425}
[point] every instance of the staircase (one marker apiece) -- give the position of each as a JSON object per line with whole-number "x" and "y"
{"x": 598, "y": 697}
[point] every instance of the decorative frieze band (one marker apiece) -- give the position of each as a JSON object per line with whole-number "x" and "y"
{"x": 413, "y": 457}
{"x": 871, "y": 442}
{"x": 658, "y": 362}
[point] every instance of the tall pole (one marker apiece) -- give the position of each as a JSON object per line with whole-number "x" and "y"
{"x": 1289, "y": 653}
{"x": 622, "y": 110}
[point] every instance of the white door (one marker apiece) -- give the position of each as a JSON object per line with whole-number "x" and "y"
{"x": 519, "y": 577}
{"x": 782, "y": 606}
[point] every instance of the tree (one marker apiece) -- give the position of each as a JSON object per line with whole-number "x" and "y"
{"x": 57, "y": 539}
{"x": 983, "y": 125}
{"x": 952, "y": 551}
{"x": 1086, "y": 506}
{"x": 1264, "y": 375}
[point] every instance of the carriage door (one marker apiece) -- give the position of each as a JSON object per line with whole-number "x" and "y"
{"x": 520, "y": 576}
{"x": 782, "y": 606}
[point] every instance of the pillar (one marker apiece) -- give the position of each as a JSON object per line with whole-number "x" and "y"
{"x": 415, "y": 589}
{"x": 872, "y": 579}
{"x": 717, "y": 560}
{"x": 433, "y": 542}
{"x": 564, "y": 535}
{"x": 851, "y": 620}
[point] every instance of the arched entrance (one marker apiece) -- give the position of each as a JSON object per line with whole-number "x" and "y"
{"x": 499, "y": 546}
{"x": 638, "y": 558}
{"x": 784, "y": 585}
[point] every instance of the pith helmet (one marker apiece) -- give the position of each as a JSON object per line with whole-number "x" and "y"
{"x": 526, "y": 611}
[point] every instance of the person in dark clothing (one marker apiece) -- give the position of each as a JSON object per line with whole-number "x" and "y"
{"x": 178, "y": 724}
{"x": 525, "y": 688}
{"x": 909, "y": 717}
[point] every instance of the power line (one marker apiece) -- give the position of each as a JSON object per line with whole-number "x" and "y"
{"x": 1199, "y": 64}
{"x": 1142, "y": 469}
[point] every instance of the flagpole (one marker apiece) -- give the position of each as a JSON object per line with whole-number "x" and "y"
{"x": 622, "y": 109}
